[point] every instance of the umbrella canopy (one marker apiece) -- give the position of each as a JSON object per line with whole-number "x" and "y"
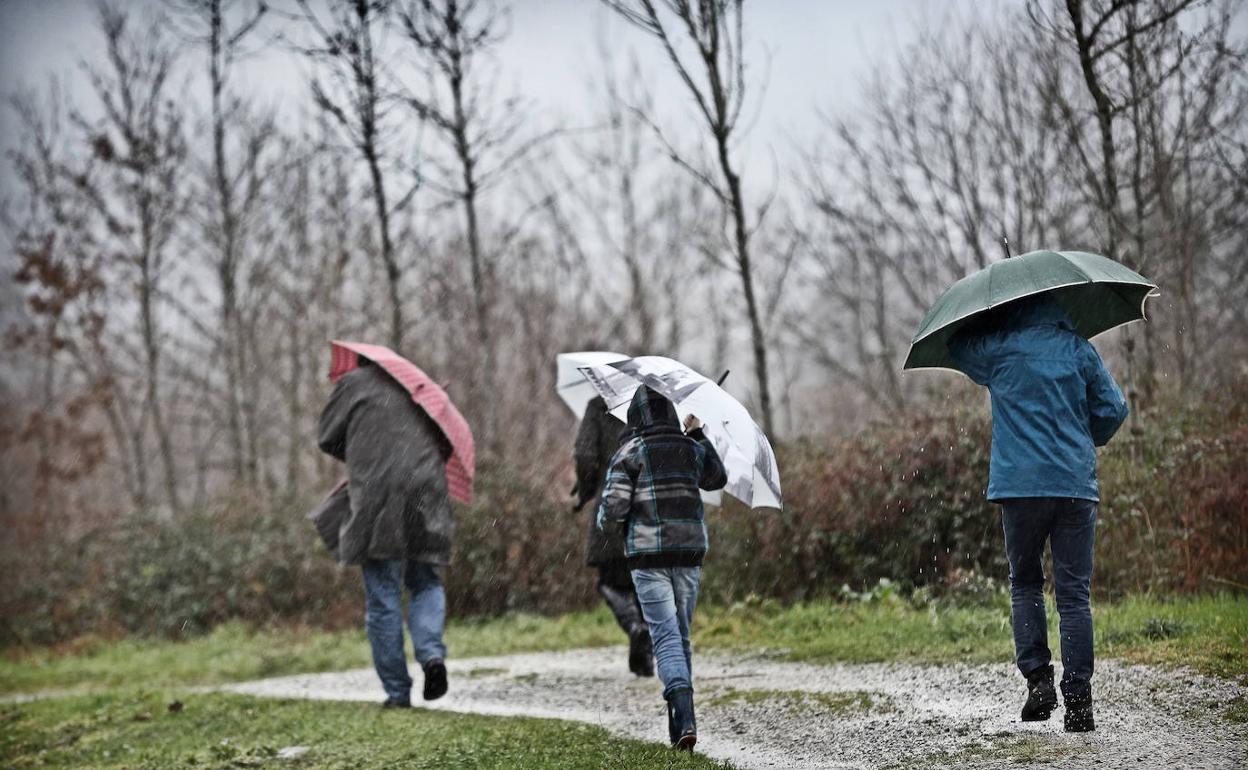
{"x": 753, "y": 476}
{"x": 577, "y": 391}
{"x": 428, "y": 395}
{"x": 571, "y": 385}
{"x": 1096, "y": 292}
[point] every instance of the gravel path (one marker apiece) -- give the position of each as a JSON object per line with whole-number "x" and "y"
{"x": 760, "y": 713}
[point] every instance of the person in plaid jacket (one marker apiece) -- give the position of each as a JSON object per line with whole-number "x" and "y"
{"x": 652, "y": 497}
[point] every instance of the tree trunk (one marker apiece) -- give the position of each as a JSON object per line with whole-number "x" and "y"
{"x": 1109, "y": 170}
{"x": 152, "y": 350}
{"x": 487, "y": 395}
{"x": 393, "y": 274}
{"x": 227, "y": 261}
{"x": 758, "y": 337}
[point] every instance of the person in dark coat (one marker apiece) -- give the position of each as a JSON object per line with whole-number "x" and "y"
{"x": 652, "y": 499}
{"x": 396, "y": 521}
{"x": 1053, "y": 403}
{"x": 596, "y": 441}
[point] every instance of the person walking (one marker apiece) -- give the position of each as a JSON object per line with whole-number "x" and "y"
{"x": 597, "y": 438}
{"x": 1053, "y": 403}
{"x": 393, "y": 519}
{"x": 652, "y": 499}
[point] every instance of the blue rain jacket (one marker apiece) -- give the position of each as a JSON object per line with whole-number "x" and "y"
{"x": 1053, "y": 401}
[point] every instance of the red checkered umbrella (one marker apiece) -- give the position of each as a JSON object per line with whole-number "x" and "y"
{"x": 461, "y": 465}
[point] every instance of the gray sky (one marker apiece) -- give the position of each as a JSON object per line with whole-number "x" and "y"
{"x": 814, "y": 54}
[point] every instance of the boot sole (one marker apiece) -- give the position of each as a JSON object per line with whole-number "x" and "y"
{"x": 686, "y": 742}
{"x": 1039, "y": 716}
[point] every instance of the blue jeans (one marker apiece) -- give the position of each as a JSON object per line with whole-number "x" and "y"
{"x": 668, "y": 596}
{"x": 426, "y": 617}
{"x": 1069, "y": 525}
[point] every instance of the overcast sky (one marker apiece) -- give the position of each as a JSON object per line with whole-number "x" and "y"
{"x": 813, "y": 54}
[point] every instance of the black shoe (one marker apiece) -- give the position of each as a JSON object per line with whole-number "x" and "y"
{"x": 685, "y": 732}
{"x": 435, "y": 680}
{"x": 640, "y": 652}
{"x": 1041, "y": 697}
{"x": 1078, "y": 717}
{"x": 672, "y": 735}
{"x": 395, "y": 703}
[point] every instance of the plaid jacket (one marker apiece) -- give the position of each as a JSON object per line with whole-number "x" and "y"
{"x": 652, "y": 486}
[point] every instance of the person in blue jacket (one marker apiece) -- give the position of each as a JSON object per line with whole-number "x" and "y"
{"x": 1053, "y": 403}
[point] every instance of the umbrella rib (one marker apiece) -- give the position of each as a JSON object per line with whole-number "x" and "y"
{"x": 1087, "y": 278}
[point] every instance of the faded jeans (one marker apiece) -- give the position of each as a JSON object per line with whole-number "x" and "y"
{"x": 426, "y": 617}
{"x": 1069, "y": 524}
{"x": 668, "y": 596}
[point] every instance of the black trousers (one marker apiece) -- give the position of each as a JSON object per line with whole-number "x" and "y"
{"x": 615, "y": 585}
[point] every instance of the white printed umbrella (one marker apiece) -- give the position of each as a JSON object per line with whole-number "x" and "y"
{"x": 753, "y": 476}
{"x": 577, "y": 391}
{"x": 571, "y": 385}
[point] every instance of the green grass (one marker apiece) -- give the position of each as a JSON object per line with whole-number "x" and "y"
{"x": 139, "y": 731}
{"x": 232, "y": 652}
{"x": 1209, "y": 633}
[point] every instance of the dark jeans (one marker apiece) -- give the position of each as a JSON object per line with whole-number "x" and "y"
{"x": 1069, "y": 525}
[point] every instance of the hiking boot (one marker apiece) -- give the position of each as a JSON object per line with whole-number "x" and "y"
{"x": 672, "y": 735}
{"x": 1041, "y": 696}
{"x": 435, "y": 679}
{"x": 640, "y": 652}
{"x": 395, "y": 703}
{"x": 683, "y": 729}
{"x": 1078, "y": 717}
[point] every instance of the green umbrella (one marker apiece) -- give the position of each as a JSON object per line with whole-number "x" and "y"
{"x": 1097, "y": 292}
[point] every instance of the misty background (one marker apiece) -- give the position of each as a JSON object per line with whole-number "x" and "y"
{"x": 538, "y": 177}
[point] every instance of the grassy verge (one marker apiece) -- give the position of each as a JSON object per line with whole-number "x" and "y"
{"x": 1208, "y": 633}
{"x": 232, "y": 652}
{"x": 142, "y": 731}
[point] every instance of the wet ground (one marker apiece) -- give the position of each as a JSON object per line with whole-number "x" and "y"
{"x": 762, "y": 713}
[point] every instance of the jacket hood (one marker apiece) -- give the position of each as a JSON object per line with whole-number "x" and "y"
{"x": 651, "y": 409}
{"x": 1036, "y": 310}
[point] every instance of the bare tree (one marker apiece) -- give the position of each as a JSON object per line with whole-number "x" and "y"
{"x": 347, "y": 45}
{"x": 915, "y": 191}
{"x": 715, "y": 78}
{"x": 1186, "y": 98}
{"x": 613, "y": 195}
{"x": 1151, "y": 93}
{"x": 452, "y": 40}
{"x": 135, "y": 188}
{"x": 209, "y": 23}
{"x": 1098, "y": 32}
{"x": 58, "y": 281}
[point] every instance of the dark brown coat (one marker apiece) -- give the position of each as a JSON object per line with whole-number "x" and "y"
{"x": 397, "y": 505}
{"x": 596, "y": 442}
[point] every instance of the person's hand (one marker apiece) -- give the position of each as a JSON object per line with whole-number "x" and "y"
{"x": 692, "y": 423}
